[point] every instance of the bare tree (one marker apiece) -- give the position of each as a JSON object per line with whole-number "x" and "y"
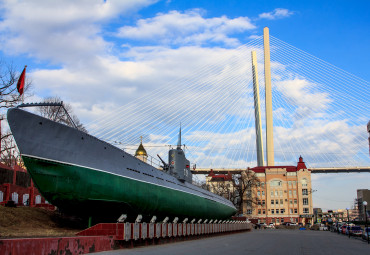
{"x": 246, "y": 183}
{"x": 56, "y": 113}
{"x": 9, "y": 96}
{"x": 240, "y": 189}
{"x": 9, "y": 152}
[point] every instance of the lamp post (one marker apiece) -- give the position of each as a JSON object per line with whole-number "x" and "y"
{"x": 366, "y": 230}
{"x": 348, "y": 221}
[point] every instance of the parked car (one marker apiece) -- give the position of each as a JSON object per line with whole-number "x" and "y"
{"x": 323, "y": 227}
{"x": 263, "y": 225}
{"x": 343, "y": 229}
{"x": 271, "y": 225}
{"x": 338, "y": 227}
{"x": 354, "y": 231}
{"x": 365, "y": 233}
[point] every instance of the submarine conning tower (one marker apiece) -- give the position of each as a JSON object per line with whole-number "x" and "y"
{"x": 179, "y": 166}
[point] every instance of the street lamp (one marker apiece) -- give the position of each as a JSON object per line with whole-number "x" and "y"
{"x": 348, "y": 222}
{"x": 366, "y": 230}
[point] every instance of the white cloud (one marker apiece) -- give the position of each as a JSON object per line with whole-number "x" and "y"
{"x": 278, "y": 13}
{"x": 63, "y": 32}
{"x": 189, "y": 27}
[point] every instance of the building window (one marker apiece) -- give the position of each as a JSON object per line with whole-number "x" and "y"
{"x": 306, "y": 210}
{"x": 305, "y": 201}
{"x": 295, "y": 211}
{"x": 258, "y": 193}
{"x": 259, "y": 202}
{"x": 272, "y": 193}
{"x": 272, "y": 201}
{"x": 277, "y": 211}
{"x": 295, "y": 201}
{"x": 276, "y": 183}
{"x": 276, "y": 193}
{"x": 281, "y": 201}
{"x": 26, "y": 201}
{"x": 304, "y": 182}
{"x": 263, "y": 202}
{"x": 262, "y": 184}
{"x": 1, "y": 196}
{"x": 263, "y": 211}
{"x": 282, "y": 220}
{"x": 259, "y": 211}
{"x": 290, "y": 193}
{"x": 263, "y": 192}
{"x": 290, "y": 201}
{"x": 304, "y": 192}
{"x": 272, "y": 211}
{"x": 249, "y": 211}
{"x": 294, "y": 193}
{"x": 281, "y": 193}
{"x": 282, "y": 211}
{"x": 277, "y": 201}
{"x": 277, "y": 220}
{"x": 290, "y": 183}
{"x": 15, "y": 197}
{"x": 294, "y": 182}
{"x": 38, "y": 199}
{"x": 291, "y": 210}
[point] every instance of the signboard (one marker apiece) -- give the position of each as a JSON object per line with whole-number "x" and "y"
{"x": 306, "y": 216}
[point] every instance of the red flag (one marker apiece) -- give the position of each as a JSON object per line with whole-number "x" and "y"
{"x": 20, "y": 84}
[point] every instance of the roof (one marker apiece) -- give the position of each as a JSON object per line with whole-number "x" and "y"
{"x": 141, "y": 151}
{"x": 224, "y": 177}
{"x": 300, "y": 165}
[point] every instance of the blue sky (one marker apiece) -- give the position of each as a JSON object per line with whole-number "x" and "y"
{"x": 99, "y": 55}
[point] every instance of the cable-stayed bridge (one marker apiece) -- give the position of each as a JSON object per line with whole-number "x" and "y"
{"x": 320, "y": 112}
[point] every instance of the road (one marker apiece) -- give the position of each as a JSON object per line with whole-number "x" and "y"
{"x": 267, "y": 241}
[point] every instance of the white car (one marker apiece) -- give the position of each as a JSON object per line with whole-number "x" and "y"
{"x": 271, "y": 225}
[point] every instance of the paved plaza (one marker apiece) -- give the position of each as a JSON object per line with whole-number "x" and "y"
{"x": 267, "y": 241}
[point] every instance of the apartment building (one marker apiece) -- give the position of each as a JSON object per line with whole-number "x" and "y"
{"x": 284, "y": 194}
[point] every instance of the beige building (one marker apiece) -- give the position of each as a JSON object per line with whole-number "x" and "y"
{"x": 283, "y": 195}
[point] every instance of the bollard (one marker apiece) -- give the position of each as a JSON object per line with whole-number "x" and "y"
{"x": 164, "y": 230}
{"x": 127, "y": 231}
{"x": 169, "y": 229}
{"x": 175, "y": 229}
{"x": 136, "y": 230}
{"x": 151, "y": 230}
{"x": 158, "y": 230}
{"x": 144, "y": 230}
